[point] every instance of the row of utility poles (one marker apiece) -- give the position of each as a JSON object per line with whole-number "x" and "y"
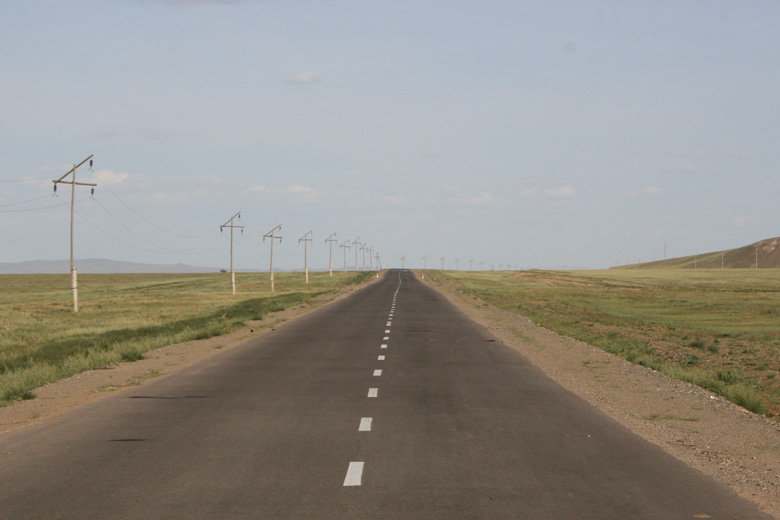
{"x": 229, "y": 224}
{"x": 457, "y": 263}
{"x": 306, "y": 238}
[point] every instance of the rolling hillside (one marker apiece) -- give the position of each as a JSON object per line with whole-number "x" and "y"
{"x": 740, "y": 258}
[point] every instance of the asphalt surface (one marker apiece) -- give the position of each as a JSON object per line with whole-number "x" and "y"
{"x": 300, "y": 423}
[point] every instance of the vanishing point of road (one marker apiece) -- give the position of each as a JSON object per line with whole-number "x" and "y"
{"x": 390, "y": 403}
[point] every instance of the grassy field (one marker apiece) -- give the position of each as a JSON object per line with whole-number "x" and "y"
{"x": 719, "y": 329}
{"x": 122, "y": 316}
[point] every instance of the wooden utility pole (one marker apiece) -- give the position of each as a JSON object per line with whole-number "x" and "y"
{"x": 229, "y": 224}
{"x": 345, "y": 246}
{"x": 74, "y": 286}
{"x": 356, "y": 243}
{"x": 363, "y": 249}
{"x": 305, "y": 241}
{"x": 273, "y": 237}
{"x": 331, "y": 239}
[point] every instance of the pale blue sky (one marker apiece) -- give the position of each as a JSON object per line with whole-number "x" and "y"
{"x": 529, "y": 133}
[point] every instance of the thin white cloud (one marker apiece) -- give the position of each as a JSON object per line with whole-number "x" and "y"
{"x": 164, "y": 198}
{"x": 561, "y": 192}
{"x": 111, "y": 178}
{"x": 744, "y": 221}
{"x": 646, "y": 191}
{"x": 304, "y": 78}
{"x": 299, "y": 188}
{"x": 299, "y": 192}
{"x": 201, "y": 2}
{"x": 486, "y": 198}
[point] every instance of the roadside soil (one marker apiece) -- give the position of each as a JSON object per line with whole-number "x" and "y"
{"x": 722, "y": 440}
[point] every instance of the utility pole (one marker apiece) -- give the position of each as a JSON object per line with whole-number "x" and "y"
{"x": 356, "y": 243}
{"x": 471, "y": 264}
{"x": 331, "y": 239}
{"x": 273, "y": 237}
{"x": 403, "y": 259}
{"x": 305, "y": 253}
{"x": 442, "y": 263}
{"x": 457, "y": 264}
{"x": 378, "y": 263}
{"x": 363, "y": 250}
{"x": 345, "y": 246}
{"x": 74, "y": 286}
{"x": 229, "y": 224}
{"x": 482, "y": 265}
{"x": 424, "y": 259}
{"x": 371, "y": 257}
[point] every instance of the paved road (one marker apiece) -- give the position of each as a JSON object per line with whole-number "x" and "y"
{"x": 387, "y": 404}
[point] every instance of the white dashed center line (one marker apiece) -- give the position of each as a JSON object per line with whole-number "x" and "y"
{"x": 380, "y": 358}
{"x": 354, "y": 474}
{"x": 385, "y": 338}
{"x": 365, "y": 424}
{"x": 377, "y": 373}
{"x": 373, "y": 392}
{"x": 384, "y": 345}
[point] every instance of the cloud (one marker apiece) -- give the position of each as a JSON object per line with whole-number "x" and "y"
{"x": 164, "y": 198}
{"x": 744, "y": 221}
{"x": 299, "y": 192}
{"x": 304, "y": 78}
{"x": 201, "y": 2}
{"x": 486, "y": 198}
{"x": 561, "y": 192}
{"x": 646, "y": 191}
{"x": 110, "y": 178}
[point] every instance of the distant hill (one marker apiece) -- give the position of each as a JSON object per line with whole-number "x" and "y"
{"x": 740, "y": 258}
{"x": 98, "y": 266}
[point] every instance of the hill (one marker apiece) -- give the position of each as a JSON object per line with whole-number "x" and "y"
{"x": 765, "y": 252}
{"x": 98, "y": 266}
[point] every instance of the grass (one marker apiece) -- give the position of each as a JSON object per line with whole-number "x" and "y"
{"x": 123, "y": 316}
{"x": 714, "y": 328}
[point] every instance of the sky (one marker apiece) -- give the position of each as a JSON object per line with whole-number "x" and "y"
{"x": 508, "y": 134}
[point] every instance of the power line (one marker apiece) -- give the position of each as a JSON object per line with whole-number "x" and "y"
{"x": 26, "y": 180}
{"x": 24, "y": 201}
{"x": 144, "y": 218}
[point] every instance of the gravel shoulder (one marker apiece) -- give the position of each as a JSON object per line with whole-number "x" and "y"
{"x": 726, "y": 442}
